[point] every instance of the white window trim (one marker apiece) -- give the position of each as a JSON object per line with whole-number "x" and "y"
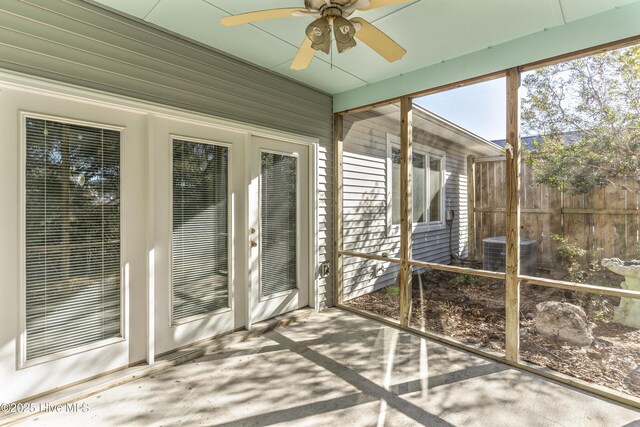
{"x": 438, "y": 225}
{"x": 393, "y": 141}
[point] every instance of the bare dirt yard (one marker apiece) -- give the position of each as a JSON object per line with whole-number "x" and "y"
{"x": 471, "y": 309}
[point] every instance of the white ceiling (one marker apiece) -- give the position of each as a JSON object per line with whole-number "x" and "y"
{"x": 432, "y": 31}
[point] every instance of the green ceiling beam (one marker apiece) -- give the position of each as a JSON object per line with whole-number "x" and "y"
{"x": 616, "y": 24}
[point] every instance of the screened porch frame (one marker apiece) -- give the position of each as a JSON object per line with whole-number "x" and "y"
{"x": 513, "y": 278}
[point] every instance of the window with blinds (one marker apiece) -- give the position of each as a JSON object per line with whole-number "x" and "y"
{"x": 200, "y": 256}
{"x": 278, "y": 211}
{"x": 73, "y": 292}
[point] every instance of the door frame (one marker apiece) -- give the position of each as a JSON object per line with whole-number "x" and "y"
{"x": 167, "y": 335}
{"x": 300, "y": 295}
{"x": 313, "y": 146}
{"x": 240, "y": 218}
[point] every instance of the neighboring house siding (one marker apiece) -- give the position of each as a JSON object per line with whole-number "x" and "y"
{"x": 79, "y": 43}
{"x": 365, "y": 202}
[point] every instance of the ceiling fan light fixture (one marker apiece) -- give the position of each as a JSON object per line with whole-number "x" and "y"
{"x": 342, "y": 47}
{"x": 344, "y": 32}
{"x": 319, "y": 32}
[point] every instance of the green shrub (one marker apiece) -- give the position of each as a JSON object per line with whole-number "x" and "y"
{"x": 392, "y": 290}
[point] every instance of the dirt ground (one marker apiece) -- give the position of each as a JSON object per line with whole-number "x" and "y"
{"x": 471, "y": 309}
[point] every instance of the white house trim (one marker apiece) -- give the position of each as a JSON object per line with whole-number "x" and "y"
{"x": 393, "y": 141}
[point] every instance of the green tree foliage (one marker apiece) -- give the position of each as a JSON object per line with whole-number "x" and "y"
{"x": 596, "y": 101}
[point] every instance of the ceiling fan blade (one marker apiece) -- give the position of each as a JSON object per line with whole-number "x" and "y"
{"x": 378, "y": 41}
{"x": 374, "y": 4}
{"x": 262, "y": 15}
{"x": 304, "y": 56}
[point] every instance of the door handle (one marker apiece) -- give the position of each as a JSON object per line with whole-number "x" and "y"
{"x": 254, "y": 244}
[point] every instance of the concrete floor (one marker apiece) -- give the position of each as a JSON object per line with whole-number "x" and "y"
{"x": 339, "y": 369}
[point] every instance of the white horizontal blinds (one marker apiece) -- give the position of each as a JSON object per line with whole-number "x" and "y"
{"x": 278, "y": 210}
{"x": 435, "y": 178}
{"x": 72, "y": 236}
{"x": 200, "y": 253}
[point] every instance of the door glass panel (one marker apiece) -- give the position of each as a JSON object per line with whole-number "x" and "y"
{"x": 278, "y": 210}
{"x": 72, "y": 236}
{"x": 200, "y": 256}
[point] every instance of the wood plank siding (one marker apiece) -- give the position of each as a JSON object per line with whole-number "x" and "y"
{"x": 605, "y": 221}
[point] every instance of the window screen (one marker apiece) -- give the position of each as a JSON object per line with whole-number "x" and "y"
{"x": 278, "y": 211}
{"x": 200, "y": 256}
{"x": 72, "y": 236}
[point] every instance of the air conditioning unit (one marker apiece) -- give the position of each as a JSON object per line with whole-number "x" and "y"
{"x": 495, "y": 255}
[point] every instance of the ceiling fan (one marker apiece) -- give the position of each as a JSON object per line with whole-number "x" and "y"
{"x": 330, "y": 14}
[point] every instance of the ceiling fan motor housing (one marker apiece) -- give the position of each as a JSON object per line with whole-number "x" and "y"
{"x": 330, "y": 8}
{"x": 319, "y": 4}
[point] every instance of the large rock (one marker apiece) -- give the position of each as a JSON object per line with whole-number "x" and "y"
{"x": 633, "y": 379}
{"x": 563, "y": 323}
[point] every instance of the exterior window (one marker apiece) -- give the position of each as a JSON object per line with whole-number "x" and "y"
{"x": 73, "y": 292}
{"x": 200, "y": 242}
{"x": 427, "y": 187}
{"x": 435, "y": 189}
{"x": 419, "y": 186}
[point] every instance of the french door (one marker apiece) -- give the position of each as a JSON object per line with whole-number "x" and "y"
{"x": 211, "y": 277}
{"x": 197, "y": 259}
{"x": 279, "y": 227}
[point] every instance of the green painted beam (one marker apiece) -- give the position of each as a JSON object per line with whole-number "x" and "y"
{"x": 616, "y": 24}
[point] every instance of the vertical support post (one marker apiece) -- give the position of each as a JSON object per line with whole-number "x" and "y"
{"x": 337, "y": 208}
{"x": 512, "y": 303}
{"x": 471, "y": 207}
{"x": 406, "y": 207}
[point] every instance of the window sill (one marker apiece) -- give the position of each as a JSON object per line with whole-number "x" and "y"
{"x": 433, "y": 227}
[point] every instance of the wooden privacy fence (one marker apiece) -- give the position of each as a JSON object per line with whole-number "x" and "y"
{"x": 605, "y": 222}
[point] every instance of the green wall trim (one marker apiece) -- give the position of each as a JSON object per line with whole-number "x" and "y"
{"x": 606, "y": 27}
